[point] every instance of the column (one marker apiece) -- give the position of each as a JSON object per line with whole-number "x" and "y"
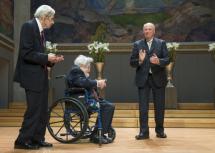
{"x": 22, "y": 10}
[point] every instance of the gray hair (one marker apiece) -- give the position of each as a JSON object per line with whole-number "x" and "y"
{"x": 149, "y": 24}
{"x": 83, "y": 60}
{"x": 44, "y": 11}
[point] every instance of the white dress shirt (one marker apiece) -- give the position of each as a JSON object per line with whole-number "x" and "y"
{"x": 39, "y": 25}
{"x": 149, "y": 43}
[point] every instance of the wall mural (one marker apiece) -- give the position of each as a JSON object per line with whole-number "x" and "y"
{"x": 78, "y": 21}
{"x": 6, "y": 18}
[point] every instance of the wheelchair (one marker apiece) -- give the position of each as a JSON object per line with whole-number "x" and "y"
{"x": 70, "y": 116}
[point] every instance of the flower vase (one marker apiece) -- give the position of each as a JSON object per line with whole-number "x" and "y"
{"x": 169, "y": 71}
{"x": 49, "y": 69}
{"x": 213, "y": 55}
{"x": 99, "y": 69}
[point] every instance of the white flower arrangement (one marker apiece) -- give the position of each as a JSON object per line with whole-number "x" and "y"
{"x": 212, "y": 49}
{"x": 172, "y": 48}
{"x": 97, "y": 50}
{"x": 51, "y": 47}
{"x": 172, "y": 45}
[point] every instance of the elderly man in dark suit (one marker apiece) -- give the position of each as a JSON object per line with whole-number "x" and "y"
{"x": 149, "y": 57}
{"x": 78, "y": 76}
{"x": 31, "y": 73}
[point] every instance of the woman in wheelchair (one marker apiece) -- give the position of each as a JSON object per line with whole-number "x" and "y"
{"x": 78, "y": 77}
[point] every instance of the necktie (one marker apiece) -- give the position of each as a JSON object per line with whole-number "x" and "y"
{"x": 42, "y": 38}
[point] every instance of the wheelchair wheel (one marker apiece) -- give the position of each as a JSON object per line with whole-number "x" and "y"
{"x": 68, "y": 120}
{"x": 111, "y": 134}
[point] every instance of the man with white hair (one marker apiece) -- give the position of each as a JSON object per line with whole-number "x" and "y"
{"x": 149, "y": 57}
{"x": 78, "y": 76}
{"x": 31, "y": 72}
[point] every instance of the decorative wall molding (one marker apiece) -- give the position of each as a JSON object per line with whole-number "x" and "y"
{"x": 6, "y": 42}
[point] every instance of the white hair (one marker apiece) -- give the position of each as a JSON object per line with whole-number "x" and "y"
{"x": 82, "y": 60}
{"x": 149, "y": 24}
{"x": 44, "y": 11}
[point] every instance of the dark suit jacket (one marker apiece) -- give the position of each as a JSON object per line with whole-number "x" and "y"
{"x": 142, "y": 70}
{"x": 77, "y": 78}
{"x": 30, "y": 69}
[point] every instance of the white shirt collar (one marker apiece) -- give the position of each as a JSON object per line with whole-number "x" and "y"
{"x": 39, "y": 25}
{"x": 150, "y": 41}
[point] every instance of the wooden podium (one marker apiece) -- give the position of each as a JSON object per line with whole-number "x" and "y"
{"x": 171, "y": 98}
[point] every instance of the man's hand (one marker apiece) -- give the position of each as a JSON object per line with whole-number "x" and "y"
{"x": 154, "y": 59}
{"x": 142, "y": 55}
{"x": 59, "y": 58}
{"x": 101, "y": 84}
{"x": 55, "y": 59}
{"x": 51, "y": 57}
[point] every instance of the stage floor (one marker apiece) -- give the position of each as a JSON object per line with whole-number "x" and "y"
{"x": 180, "y": 140}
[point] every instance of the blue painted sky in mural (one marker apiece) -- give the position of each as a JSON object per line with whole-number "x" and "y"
{"x": 121, "y": 6}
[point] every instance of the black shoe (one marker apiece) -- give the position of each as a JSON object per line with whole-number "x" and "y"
{"x": 95, "y": 139}
{"x": 161, "y": 135}
{"x": 142, "y": 136}
{"x": 108, "y": 139}
{"x": 26, "y": 145}
{"x": 43, "y": 144}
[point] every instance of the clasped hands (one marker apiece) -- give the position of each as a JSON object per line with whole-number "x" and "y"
{"x": 101, "y": 83}
{"x": 53, "y": 58}
{"x": 153, "y": 59}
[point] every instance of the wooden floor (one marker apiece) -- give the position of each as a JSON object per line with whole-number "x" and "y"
{"x": 180, "y": 140}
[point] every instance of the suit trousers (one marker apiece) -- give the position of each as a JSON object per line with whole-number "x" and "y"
{"x": 107, "y": 112}
{"x": 35, "y": 117}
{"x": 159, "y": 105}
